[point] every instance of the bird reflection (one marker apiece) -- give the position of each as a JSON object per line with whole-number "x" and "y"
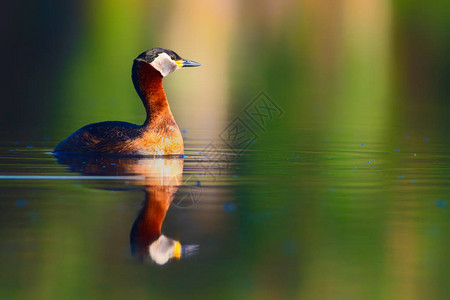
{"x": 160, "y": 178}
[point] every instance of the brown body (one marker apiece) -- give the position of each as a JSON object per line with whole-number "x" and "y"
{"x": 159, "y": 135}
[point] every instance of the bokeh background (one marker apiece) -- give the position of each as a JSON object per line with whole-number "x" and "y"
{"x": 357, "y": 62}
{"x": 320, "y": 212}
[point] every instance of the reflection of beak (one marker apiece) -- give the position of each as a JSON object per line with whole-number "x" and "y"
{"x": 187, "y": 63}
{"x": 164, "y": 248}
{"x": 177, "y": 250}
{"x": 185, "y": 250}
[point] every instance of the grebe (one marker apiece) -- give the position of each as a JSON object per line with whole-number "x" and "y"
{"x": 159, "y": 135}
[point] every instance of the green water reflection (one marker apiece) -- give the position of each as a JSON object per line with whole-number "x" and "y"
{"x": 340, "y": 219}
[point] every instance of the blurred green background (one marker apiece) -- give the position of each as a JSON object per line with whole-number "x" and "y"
{"x": 363, "y": 63}
{"x": 343, "y": 197}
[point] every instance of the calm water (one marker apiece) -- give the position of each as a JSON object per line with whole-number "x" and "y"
{"x": 334, "y": 215}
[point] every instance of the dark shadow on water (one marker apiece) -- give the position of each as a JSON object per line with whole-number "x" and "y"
{"x": 160, "y": 178}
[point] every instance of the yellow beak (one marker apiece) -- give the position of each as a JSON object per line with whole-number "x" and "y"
{"x": 187, "y": 63}
{"x": 177, "y": 250}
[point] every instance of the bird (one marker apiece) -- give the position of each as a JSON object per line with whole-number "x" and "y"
{"x": 159, "y": 135}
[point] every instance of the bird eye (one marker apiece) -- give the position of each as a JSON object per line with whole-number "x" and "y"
{"x": 172, "y": 57}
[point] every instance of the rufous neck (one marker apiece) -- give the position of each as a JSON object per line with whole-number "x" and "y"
{"x": 148, "y": 84}
{"x": 147, "y": 227}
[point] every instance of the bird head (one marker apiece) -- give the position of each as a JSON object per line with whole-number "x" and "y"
{"x": 165, "y": 61}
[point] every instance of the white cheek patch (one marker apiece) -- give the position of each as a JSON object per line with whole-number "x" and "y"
{"x": 164, "y": 64}
{"x": 161, "y": 250}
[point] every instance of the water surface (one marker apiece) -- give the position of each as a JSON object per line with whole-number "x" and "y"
{"x": 329, "y": 216}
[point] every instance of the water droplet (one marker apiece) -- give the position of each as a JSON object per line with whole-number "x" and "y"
{"x": 21, "y": 203}
{"x": 441, "y": 203}
{"x": 229, "y": 207}
{"x": 288, "y": 247}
